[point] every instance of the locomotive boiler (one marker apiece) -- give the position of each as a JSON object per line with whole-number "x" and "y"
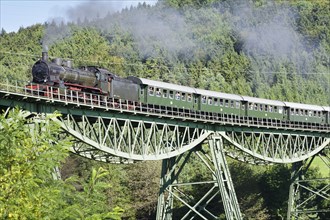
{"x": 91, "y": 79}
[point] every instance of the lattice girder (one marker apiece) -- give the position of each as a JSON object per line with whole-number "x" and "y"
{"x": 130, "y": 139}
{"x": 106, "y": 134}
{"x": 141, "y": 139}
{"x": 274, "y": 147}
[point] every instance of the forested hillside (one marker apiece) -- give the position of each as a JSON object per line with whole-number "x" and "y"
{"x": 267, "y": 49}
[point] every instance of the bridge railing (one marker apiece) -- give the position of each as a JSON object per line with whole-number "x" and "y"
{"x": 54, "y": 94}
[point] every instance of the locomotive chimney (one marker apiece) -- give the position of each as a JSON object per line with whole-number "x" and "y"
{"x": 44, "y": 56}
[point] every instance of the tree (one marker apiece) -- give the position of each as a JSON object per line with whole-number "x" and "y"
{"x": 144, "y": 184}
{"x": 274, "y": 185}
{"x": 29, "y": 153}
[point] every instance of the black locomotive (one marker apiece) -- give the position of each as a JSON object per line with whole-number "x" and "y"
{"x": 90, "y": 79}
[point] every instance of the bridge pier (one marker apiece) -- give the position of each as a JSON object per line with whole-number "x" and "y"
{"x": 218, "y": 185}
{"x": 309, "y": 198}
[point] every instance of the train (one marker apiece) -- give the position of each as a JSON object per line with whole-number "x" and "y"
{"x": 92, "y": 79}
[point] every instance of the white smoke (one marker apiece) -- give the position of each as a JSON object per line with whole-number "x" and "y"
{"x": 267, "y": 32}
{"x": 86, "y": 11}
{"x": 270, "y": 32}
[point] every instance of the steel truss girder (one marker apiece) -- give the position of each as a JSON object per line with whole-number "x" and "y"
{"x": 273, "y": 147}
{"x": 108, "y": 139}
{"x": 306, "y": 194}
{"x": 121, "y": 138}
{"x": 220, "y": 183}
{"x": 102, "y": 138}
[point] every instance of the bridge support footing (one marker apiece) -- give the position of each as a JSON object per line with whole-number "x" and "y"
{"x": 216, "y": 188}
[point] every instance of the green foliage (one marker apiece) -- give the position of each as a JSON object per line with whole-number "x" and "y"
{"x": 274, "y": 185}
{"x": 110, "y": 188}
{"x": 86, "y": 47}
{"x": 246, "y": 180}
{"x": 30, "y": 150}
{"x": 18, "y": 52}
{"x": 189, "y": 3}
{"x": 78, "y": 193}
{"x": 144, "y": 184}
{"x": 29, "y": 153}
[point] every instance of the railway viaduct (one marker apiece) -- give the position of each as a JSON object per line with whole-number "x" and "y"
{"x": 114, "y": 132}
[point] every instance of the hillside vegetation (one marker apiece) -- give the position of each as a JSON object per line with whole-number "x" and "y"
{"x": 275, "y": 50}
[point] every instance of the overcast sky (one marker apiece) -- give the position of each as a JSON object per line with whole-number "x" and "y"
{"x": 23, "y": 13}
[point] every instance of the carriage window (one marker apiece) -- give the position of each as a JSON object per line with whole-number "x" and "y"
{"x": 232, "y": 104}
{"x": 306, "y": 112}
{"x": 226, "y": 103}
{"x": 142, "y": 91}
{"x": 158, "y": 92}
{"x": 319, "y": 113}
{"x": 301, "y": 112}
{"x": 183, "y": 97}
{"x": 310, "y": 113}
{"x": 151, "y": 90}
{"x": 189, "y": 98}
{"x": 164, "y": 93}
{"x": 275, "y": 108}
{"x": 251, "y": 106}
{"x": 297, "y": 111}
{"x": 261, "y": 107}
{"x": 292, "y": 111}
{"x": 256, "y": 107}
{"x": 221, "y": 102}
{"x": 210, "y": 101}
{"x": 196, "y": 100}
{"x": 243, "y": 106}
{"x": 204, "y": 100}
{"x": 237, "y": 104}
{"x": 314, "y": 114}
{"x": 270, "y": 108}
{"x": 171, "y": 96}
{"x": 215, "y": 101}
{"x": 266, "y": 108}
{"x": 280, "y": 110}
{"x": 177, "y": 95}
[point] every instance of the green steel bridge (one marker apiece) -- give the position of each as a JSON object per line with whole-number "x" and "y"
{"x": 121, "y": 132}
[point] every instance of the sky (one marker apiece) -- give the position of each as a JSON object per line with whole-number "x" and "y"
{"x": 23, "y": 13}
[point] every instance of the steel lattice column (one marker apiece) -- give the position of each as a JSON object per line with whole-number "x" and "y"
{"x": 168, "y": 178}
{"x": 224, "y": 180}
{"x": 219, "y": 184}
{"x": 307, "y": 195}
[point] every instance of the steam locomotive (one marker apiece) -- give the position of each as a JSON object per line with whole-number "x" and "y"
{"x": 91, "y": 79}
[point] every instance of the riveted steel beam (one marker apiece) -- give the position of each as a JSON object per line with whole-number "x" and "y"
{"x": 218, "y": 185}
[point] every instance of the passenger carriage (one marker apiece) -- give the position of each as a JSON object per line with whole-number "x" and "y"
{"x": 263, "y": 108}
{"x": 165, "y": 94}
{"x": 326, "y": 113}
{"x": 297, "y": 112}
{"x": 218, "y": 102}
